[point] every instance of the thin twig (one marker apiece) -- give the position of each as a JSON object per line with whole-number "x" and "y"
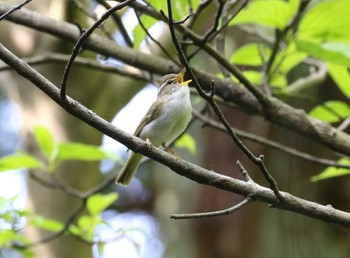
{"x": 212, "y": 213}
{"x": 80, "y": 61}
{"x": 244, "y": 172}
{"x": 118, "y": 21}
{"x": 153, "y": 39}
{"x": 92, "y": 16}
{"x": 237, "y": 8}
{"x": 215, "y": 25}
{"x": 72, "y": 217}
{"x": 201, "y": 7}
{"x": 279, "y": 36}
{"x": 207, "y": 121}
{"x": 80, "y": 42}
{"x": 344, "y": 125}
{"x": 15, "y": 8}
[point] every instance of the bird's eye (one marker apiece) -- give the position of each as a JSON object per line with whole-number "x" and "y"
{"x": 169, "y": 82}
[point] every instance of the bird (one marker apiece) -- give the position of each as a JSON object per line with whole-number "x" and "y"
{"x": 165, "y": 120}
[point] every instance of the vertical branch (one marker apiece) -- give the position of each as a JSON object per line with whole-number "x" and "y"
{"x": 258, "y": 161}
{"x": 279, "y": 36}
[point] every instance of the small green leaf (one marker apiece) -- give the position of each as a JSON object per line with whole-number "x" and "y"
{"x": 331, "y": 111}
{"x": 251, "y": 54}
{"x": 99, "y": 202}
{"x": 253, "y": 76}
{"x": 87, "y": 225}
{"x": 18, "y": 161}
{"x": 278, "y": 81}
{"x": 288, "y": 59}
{"x": 333, "y": 171}
{"x": 341, "y": 76}
{"x": 273, "y": 13}
{"x": 139, "y": 33}
{"x": 85, "y": 152}
{"x": 7, "y": 237}
{"x": 45, "y": 141}
{"x": 335, "y": 52}
{"x": 186, "y": 141}
{"x": 46, "y": 223}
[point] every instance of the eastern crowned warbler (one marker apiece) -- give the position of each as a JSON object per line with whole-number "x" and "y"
{"x": 166, "y": 119}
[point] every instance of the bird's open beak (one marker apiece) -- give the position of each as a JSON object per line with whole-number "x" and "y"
{"x": 180, "y": 78}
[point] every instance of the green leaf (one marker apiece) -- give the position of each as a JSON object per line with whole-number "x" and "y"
{"x": 272, "y": 13}
{"x": 278, "y": 81}
{"x": 87, "y": 225}
{"x": 45, "y": 141}
{"x": 288, "y": 59}
{"x": 186, "y": 141}
{"x": 334, "y": 52}
{"x": 9, "y": 236}
{"x": 317, "y": 24}
{"x": 85, "y": 152}
{"x": 331, "y": 111}
{"x": 99, "y": 202}
{"x": 46, "y": 223}
{"x": 333, "y": 171}
{"x": 253, "y": 76}
{"x": 341, "y": 76}
{"x": 139, "y": 33}
{"x": 251, "y": 54}
{"x": 18, "y": 161}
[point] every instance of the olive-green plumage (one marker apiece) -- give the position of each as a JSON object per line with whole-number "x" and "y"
{"x": 166, "y": 119}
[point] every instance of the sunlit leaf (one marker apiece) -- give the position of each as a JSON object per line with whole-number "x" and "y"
{"x": 18, "y": 161}
{"x": 251, "y": 54}
{"x": 99, "y": 202}
{"x": 46, "y": 223}
{"x": 186, "y": 141}
{"x": 139, "y": 32}
{"x": 9, "y": 236}
{"x": 253, "y": 76}
{"x": 79, "y": 151}
{"x": 272, "y": 13}
{"x": 288, "y": 59}
{"x": 278, "y": 81}
{"x": 333, "y": 171}
{"x": 331, "y": 111}
{"x": 341, "y": 76}
{"x": 87, "y": 225}
{"x": 334, "y": 52}
{"x": 317, "y": 24}
{"x": 45, "y": 141}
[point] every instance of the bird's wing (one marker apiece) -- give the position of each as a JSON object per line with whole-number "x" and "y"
{"x": 152, "y": 113}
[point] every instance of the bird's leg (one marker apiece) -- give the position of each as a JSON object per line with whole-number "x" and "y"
{"x": 168, "y": 149}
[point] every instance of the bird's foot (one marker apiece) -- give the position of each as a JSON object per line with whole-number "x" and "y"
{"x": 169, "y": 150}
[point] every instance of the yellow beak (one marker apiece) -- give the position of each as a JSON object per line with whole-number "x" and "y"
{"x": 180, "y": 78}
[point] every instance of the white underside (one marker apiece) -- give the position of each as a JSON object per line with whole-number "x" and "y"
{"x": 173, "y": 119}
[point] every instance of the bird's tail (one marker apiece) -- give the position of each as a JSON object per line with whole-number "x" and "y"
{"x": 129, "y": 169}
